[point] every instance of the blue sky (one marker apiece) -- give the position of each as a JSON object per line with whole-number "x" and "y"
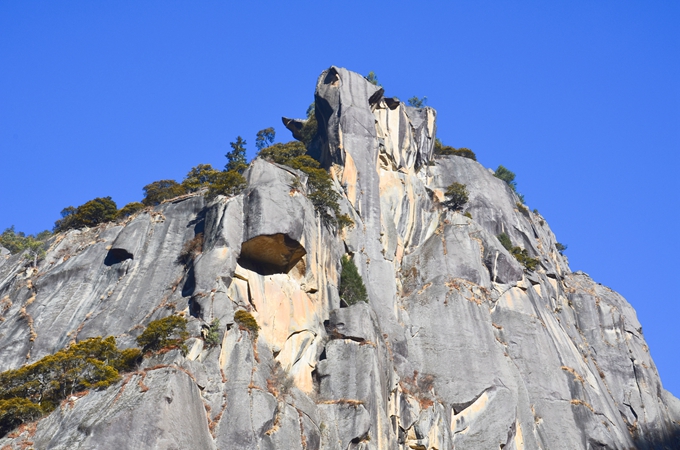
{"x": 581, "y": 99}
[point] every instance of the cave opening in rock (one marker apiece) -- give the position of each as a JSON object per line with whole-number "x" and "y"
{"x": 271, "y": 254}
{"x": 117, "y": 255}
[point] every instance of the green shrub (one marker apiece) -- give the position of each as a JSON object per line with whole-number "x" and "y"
{"x": 28, "y": 392}
{"x": 372, "y": 78}
{"x": 467, "y": 214}
{"x": 322, "y": 195}
{"x": 560, "y": 247}
{"x": 457, "y": 195}
{"x": 199, "y": 177}
{"x": 229, "y": 184}
{"x": 130, "y": 209}
{"x": 523, "y": 257}
{"x": 97, "y": 211}
{"x": 465, "y": 153}
{"x": 211, "y": 335}
{"x": 128, "y": 360}
{"x": 505, "y": 241}
{"x": 159, "y": 191}
{"x": 283, "y": 153}
{"x": 246, "y": 321}
{"x": 67, "y": 221}
{"x": 15, "y": 411}
{"x": 310, "y": 127}
{"x": 265, "y": 138}
{"x": 89, "y": 214}
{"x": 319, "y": 183}
{"x": 445, "y": 150}
{"x": 507, "y": 176}
{"x": 523, "y": 209}
{"x": 17, "y": 242}
{"x": 344, "y": 221}
{"x": 519, "y": 253}
{"x": 352, "y": 289}
{"x": 417, "y": 102}
{"x": 169, "y": 332}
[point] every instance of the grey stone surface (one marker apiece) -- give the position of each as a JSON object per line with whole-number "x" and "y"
{"x": 4, "y": 255}
{"x": 355, "y": 322}
{"x": 268, "y": 206}
{"x": 343, "y": 423}
{"x": 161, "y": 409}
{"x": 458, "y": 347}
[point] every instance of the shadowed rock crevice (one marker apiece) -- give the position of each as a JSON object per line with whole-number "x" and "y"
{"x": 376, "y": 97}
{"x": 195, "y": 309}
{"x": 117, "y": 255}
{"x": 332, "y": 77}
{"x": 392, "y": 103}
{"x": 189, "y": 285}
{"x": 270, "y": 254}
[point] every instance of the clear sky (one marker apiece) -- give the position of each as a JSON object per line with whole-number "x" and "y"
{"x": 581, "y": 99}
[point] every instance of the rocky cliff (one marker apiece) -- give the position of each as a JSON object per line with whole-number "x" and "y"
{"x": 459, "y": 346}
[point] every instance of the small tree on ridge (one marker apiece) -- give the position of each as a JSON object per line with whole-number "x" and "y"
{"x": 236, "y": 158}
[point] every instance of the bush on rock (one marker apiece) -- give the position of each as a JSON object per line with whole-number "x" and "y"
{"x": 519, "y": 253}
{"x": 457, "y": 195}
{"x": 445, "y": 150}
{"x": 352, "y": 289}
{"x": 169, "y": 332}
{"x": 89, "y": 214}
{"x": 159, "y": 191}
{"x": 246, "y": 321}
{"x": 29, "y": 392}
{"x": 130, "y": 209}
{"x": 228, "y": 183}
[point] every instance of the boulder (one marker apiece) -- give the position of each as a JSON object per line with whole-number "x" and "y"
{"x": 273, "y": 219}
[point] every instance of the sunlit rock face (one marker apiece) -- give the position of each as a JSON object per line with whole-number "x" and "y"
{"x": 459, "y": 346}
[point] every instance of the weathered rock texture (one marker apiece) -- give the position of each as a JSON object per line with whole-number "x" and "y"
{"x": 458, "y": 346}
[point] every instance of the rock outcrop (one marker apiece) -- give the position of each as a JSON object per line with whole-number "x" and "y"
{"x": 459, "y": 346}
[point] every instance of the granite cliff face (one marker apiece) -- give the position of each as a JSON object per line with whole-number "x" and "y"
{"x": 458, "y": 346}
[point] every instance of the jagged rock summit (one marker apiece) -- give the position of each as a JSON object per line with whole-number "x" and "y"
{"x": 459, "y": 345}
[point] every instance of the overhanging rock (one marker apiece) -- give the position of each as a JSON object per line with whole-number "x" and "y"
{"x": 276, "y": 253}
{"x": 274, "y": 219}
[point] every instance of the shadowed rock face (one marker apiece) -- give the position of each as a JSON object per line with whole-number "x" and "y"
{"x": 458, "y": 347}
{"x": 269, "y": 254}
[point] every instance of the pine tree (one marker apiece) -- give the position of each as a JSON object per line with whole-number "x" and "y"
{"x": 506, "y": 175}
{"x": 457, "y": 195}
{"x": 265, "y": 138}
{"x": 417, "y": 102}
{"x": 352, "y": 289}
{"x": 236, "y": 158}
